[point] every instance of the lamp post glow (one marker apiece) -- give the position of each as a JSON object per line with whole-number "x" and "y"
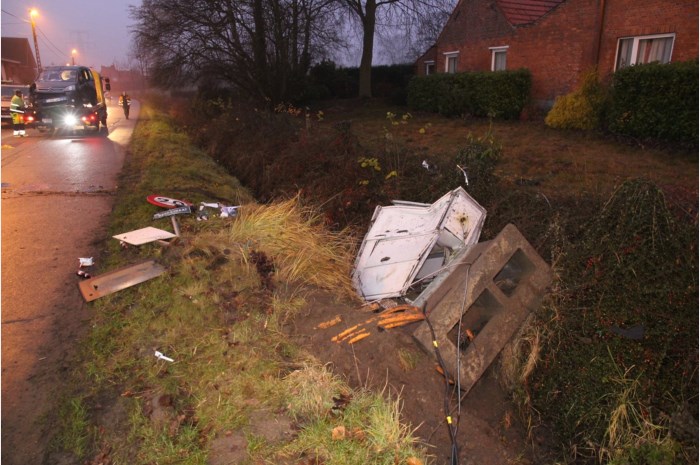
{"x": 32, "y": 13}
{"x": 73, "y": 53}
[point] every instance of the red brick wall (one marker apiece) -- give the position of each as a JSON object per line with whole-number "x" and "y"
{"x": 624, "y": 18}
{"x": 563, "y": 44}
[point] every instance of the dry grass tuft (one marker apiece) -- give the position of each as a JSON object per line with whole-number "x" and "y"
{"x": 303, "y": 252}
{"x": 312, "y": 389}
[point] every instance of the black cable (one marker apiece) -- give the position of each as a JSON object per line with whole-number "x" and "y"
{"x": 452, "y": 426}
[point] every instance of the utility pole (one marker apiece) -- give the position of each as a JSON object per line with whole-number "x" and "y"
{"x": 32, "y": 14}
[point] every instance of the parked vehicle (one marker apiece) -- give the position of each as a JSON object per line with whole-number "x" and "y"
{"x": 70, "y": 97}
{"x": 8, "y": 90}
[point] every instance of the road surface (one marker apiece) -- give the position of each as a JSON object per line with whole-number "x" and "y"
{"x": 57, "y": 193}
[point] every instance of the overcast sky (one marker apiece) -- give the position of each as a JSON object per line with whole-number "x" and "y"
{"x": 97, "y": 29}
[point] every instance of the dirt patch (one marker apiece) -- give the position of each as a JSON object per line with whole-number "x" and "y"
{"x": 227, "y": 449}
{"x": 489, "y": 431}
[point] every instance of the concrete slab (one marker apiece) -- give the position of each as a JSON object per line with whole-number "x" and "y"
{"x": 489, "y": 290}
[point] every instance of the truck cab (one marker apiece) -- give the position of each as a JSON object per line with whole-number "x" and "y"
{"x": 66, "y": 96}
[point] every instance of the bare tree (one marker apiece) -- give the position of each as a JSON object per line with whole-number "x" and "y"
{"x": 388, "y": 13}
{"x": 262, "y": 47}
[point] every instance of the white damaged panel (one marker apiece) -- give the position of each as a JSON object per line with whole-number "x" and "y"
{"x": 401, "y": 237}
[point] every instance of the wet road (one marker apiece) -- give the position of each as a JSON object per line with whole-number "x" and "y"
{"x": 57, "y": 193}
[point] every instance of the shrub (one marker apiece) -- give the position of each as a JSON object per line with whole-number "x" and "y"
{"x": 329, "y": 81}
{"x": 503, "y": 94}
{"x": 658, "y": 101}
{"x": 475, "y": 164}
{"x": 581, "y": 109}
{"x": 627, "y": 310}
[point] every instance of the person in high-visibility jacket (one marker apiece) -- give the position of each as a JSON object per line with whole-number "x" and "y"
{"x": 17, "y": 111}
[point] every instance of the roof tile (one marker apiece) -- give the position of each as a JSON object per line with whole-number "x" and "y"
{"x": 520, "y": 12}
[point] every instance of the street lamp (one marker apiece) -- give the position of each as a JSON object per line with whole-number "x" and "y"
{"x": 73, "y": 53}
{"x": 32, "y": 14}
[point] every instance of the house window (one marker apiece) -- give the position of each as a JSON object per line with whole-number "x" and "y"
{"x": 429, "y": 67}
{"x": 644, "y": 49}
{"x": 451, "y": 62}
{"x": 498, "y": 58}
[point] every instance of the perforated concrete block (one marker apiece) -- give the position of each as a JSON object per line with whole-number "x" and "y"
{"x": 492, "y": 286}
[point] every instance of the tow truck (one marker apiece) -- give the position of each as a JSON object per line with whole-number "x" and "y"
{"x": 68, "y": 97}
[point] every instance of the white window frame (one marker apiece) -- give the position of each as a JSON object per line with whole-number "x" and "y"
{"x": 448, "y": 57}
{"x": 427, "y": 65}
{"x": 635, "y": 46}
{"x": 494, "y": 51}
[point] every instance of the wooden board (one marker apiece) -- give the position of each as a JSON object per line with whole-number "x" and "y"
{"x": 116, "y": 280}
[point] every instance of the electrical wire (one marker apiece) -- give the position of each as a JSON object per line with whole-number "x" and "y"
{"x": 451, "y": 426}
{"x": 46, "y": 39}
{"x": 55, "y": 49}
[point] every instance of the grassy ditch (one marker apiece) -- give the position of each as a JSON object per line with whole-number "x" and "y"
{"x": 608, "y": 369}
{"x": 237, "y": 391}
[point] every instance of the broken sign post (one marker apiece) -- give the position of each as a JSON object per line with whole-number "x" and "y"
{"x": 116, "y": 280}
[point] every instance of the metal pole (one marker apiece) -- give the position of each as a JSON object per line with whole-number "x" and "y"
{"x": 36, "y": 45}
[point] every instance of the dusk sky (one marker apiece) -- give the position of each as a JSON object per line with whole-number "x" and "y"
{"x": 97, "y": 29}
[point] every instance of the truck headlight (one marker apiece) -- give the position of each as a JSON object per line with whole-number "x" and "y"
{"x": 70, "y": 88}
{"x": 70, "y": 120}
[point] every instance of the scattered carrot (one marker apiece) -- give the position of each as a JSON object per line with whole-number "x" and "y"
{"x": 359, "y": 337}
{"x": 329, "y": 323}
{"x": 399, "y": 308}
{"x": 345, "y": 333}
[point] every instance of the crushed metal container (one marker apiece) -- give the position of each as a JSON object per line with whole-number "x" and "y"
{"x": 409, "y": 242}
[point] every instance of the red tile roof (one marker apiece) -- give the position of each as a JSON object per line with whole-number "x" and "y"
{"x": 520, "y": 12}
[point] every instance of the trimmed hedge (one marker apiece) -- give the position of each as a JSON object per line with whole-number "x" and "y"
{"x": 655, "y": 101}
{"x": 501, "y": 94}
{"x": 330, "y": 81}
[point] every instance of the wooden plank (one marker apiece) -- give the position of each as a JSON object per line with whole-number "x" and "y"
{"x": 116, "y": 280}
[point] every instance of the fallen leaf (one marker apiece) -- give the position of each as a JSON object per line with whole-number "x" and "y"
{"x": 338, "y": 433}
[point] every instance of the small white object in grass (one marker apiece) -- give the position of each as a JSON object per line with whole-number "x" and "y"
{"x": 229, "y": 211}
{"x": 160, "y": 356}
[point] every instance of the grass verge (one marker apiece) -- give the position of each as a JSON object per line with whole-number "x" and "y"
{"x": 218, "y": 312}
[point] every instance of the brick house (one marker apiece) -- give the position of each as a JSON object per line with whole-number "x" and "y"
{"x": 559, "y": 40}
{"x": 18, "y": 63}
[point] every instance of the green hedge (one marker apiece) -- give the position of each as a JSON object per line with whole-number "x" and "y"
{"x": 330, "y": 81}
{"x": 501, "y": 94}
{"x": 655, "y": 101}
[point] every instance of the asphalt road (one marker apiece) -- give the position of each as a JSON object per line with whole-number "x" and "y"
{"x": 57, "y": 193}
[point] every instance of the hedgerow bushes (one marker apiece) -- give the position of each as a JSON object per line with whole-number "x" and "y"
{"x": 655, "y": 101}
{"x": 647, "y": 102}
{"x": 500, "y": 95}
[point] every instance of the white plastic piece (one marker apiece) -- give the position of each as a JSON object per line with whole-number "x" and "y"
{"x": 160, "y": 356}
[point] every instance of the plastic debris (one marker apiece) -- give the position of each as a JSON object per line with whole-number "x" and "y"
{"x": 86, "y": 262}
{"x": 160, "y": 356}
{"x": 466, "y": 178}
{"x": 83, "y": 274}
{"x": 227, "y": 212}
{"x": 144, "y": 235}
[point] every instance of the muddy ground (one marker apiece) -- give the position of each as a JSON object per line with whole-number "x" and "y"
{"x": 489, "y": 431}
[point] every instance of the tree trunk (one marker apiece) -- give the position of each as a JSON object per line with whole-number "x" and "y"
{"x": 260, "y": 46}
{"x": 368, "y": 25}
